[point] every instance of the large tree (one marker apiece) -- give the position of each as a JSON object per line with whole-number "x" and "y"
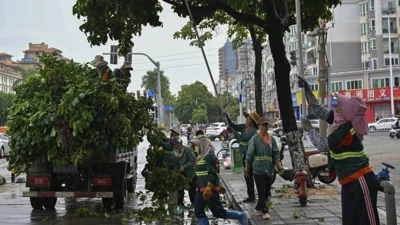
{"x": 121, "y": 20}
{"x": 149, "y": 82}
{"x": 190, "y": 97}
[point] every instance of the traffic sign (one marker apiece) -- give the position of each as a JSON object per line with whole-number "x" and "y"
{"x": 150, "y": 93}
{"x": 168, "y": 108}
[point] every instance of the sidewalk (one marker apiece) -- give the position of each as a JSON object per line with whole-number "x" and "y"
{"x": 321, "y": 209}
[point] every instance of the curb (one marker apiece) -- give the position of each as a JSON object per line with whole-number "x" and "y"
{"x": 236, "y": 204}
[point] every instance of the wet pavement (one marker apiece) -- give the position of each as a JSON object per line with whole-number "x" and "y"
{"x": 16, "y": 210}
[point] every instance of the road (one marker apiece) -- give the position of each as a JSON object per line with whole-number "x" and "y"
{"x": 16, "y": 210}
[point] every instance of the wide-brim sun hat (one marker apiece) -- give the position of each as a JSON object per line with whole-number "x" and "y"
{"x": 98, "y": 61}
{"x": 176, "y": 130}
{"x": 254, "y": 116}
{"x": 264, "y": 120}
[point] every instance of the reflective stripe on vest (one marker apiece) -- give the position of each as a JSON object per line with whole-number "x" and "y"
{"x": 347, "y": 155}
{"x": 168, "y": 152}
{"x": 259, "y": 158}
{"x": 201, "y": 162}
{"x": 201, "y": 173}
{"x": 244, "y": 143}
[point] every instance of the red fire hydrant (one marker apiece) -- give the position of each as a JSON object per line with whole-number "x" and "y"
{"x": 300, "y": 182}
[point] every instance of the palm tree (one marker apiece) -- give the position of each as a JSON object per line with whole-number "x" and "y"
{"x": 149, "y": 82}
{"x": 25, "y": 73}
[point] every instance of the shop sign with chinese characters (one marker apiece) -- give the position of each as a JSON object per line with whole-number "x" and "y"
{"x": 373, "y": 95}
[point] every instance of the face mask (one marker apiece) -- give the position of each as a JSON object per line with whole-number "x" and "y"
{"x": 196, "y": 149}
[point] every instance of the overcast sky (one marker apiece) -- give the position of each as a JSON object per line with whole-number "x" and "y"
{"x": 51, "y": 21}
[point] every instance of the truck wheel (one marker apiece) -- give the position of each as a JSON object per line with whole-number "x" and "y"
{"x": 36, "y": 202}
{"x": 212, "y": 138}
{"x": 107, "y": 203}
{"x": 120, "y": 185}
{"x": 131, "y": 183}
{"x": 49, "y": 203}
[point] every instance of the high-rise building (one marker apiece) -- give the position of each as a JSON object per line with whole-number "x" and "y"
{"x": 227, "y": 58}
{"x": 8, "y": 73}
{"x": 245, "y": 74}
{"x": 31, "y": 58}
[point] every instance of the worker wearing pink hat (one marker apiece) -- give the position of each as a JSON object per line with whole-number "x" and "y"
{"x": 347, "y": 158}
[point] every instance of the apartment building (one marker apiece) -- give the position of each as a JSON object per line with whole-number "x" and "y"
{"x": 31, "y": 57}
{"x": 8, "y": 73}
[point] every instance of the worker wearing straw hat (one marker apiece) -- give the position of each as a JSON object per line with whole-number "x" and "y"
{"x": 243, "y": 133}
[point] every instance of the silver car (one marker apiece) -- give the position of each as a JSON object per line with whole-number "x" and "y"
{"x": 4, "y": 146}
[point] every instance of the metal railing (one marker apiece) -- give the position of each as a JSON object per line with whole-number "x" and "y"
{"x": 389, "y": 11}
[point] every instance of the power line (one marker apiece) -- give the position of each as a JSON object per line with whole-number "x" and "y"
{"x": 171, "y": 67}
{"x": 195, "y": 57}
{"x": 182, "y": 53}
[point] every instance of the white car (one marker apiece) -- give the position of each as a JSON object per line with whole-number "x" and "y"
{"x": 215, "y": 130}
{"x": 315, "y": 124}
{"x": 4, "y": 146}
{"x": 382, "y": 124}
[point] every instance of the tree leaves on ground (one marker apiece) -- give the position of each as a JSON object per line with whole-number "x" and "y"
{"x": 63, "y": 115}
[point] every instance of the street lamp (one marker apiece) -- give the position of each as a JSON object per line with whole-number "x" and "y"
{"x": 159, "y": 102}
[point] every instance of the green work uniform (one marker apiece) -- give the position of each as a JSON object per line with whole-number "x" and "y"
{"x": 187, "y": 160}
{"x": 261, "y": 157}
{"x": 347, "y": 155}
{"x": 243, "y": 135}
{"x": 207, "y": 171}
{"x": 168, "y": 158}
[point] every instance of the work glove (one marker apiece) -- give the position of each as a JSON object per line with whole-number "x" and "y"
{"x": 182, "y": 169}
{"x": 306, "y": 124}
{"x": 208, "y": 192}
{"x": 278, "y": 165}
{"x": 222, "y": 190}
{"x": 302, "y": 82}
{"x": 246, "y": 170}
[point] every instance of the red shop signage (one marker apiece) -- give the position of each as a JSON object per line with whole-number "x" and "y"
{"x": 373, "y": 94}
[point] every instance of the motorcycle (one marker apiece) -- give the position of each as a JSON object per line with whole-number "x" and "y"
{"x": 317, "y": 165}
{"x": 395, "y": 132}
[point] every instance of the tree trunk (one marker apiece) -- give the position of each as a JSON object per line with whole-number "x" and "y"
{"x": 282, "y": 78}
{"x": 257, "y": 77}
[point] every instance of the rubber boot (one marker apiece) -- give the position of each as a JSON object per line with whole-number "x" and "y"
{"x": 204, "y": 221}
{"x": 238, "y": 215}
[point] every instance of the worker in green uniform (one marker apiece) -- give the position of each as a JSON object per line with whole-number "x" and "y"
{"x": 208, "y": 185}
{"x": 103, "y": 71}
{"x": 263, "y": 155}
{"x": 185, "y": 160}
{"x": 243, "y": 133}
{"x": 123, "y": 74}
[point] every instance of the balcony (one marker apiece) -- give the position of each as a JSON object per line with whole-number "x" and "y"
{"x": 392, "y": 30}
{"x": 389, "y": 11}
{"x": 395, "y": 50}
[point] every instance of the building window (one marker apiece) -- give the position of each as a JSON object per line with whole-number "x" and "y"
{"x": 354, "y": 84}
{"x": 396, "y": 82}
{"x": 372, "y": 24}
{"x": 364, "y": 28}
{"x": 336, "y": 86}
{"x": 365, "y": 47}
{"x": 314, "y": 87}
{"x": 365, "y": 65}
{"x": 371, "y": 5}
{"x": 395, "y": 61}
{"x": 380, "y": 82}
{"x": 372, "y": 44}
{"x": 374, "y": 64}
{"x": 364, "y": 9}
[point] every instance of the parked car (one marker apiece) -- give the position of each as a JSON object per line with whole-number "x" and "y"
{"x": 214, "y": 131}
{"x": 315, "y": 124}
{"x": 382, "y": 124}
{"x": 4, "y": 145}
{"x": 183, "y": 128}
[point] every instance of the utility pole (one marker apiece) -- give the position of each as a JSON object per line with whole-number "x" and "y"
{"x": 300, "y": 52}
{"x": 322, "y": 77}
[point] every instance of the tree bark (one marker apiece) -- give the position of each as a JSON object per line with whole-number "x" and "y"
{"x": 282, "y": 78}
{"x": 257, "y": 47}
